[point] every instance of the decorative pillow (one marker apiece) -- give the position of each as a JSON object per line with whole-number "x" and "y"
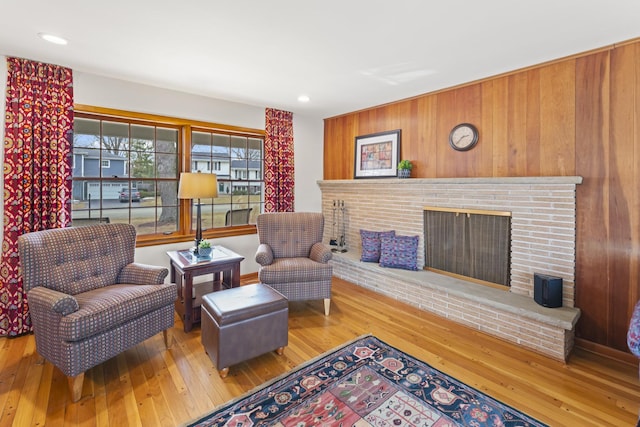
{"x": 399, "y": 252}
{"x": 371, "y": 244}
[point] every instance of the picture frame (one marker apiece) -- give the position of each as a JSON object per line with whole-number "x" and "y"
{"x": 377, "y": 155}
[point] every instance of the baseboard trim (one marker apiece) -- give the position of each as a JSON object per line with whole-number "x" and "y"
{"x": 603, "y": 350}
{"x": 247, "y": 279}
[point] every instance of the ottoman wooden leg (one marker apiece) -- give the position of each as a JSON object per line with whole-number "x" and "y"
{"x": 223, "y": 372}
{"x": 280, "y": 351}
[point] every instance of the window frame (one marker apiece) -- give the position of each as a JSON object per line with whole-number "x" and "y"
{"x": 184, "y": 232}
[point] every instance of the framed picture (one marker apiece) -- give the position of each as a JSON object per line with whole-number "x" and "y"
{"x": 377, "y": 155}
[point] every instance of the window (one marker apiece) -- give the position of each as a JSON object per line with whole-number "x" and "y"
{"x": 234, "y": 158}
{"x": 137, "y": 180}
{"x": 126, "y": 168}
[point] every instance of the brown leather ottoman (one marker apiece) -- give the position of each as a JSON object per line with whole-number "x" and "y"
{"x": 241, "y": 323}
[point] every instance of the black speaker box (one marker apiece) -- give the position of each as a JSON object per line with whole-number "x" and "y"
{"x": 547, "y": 290}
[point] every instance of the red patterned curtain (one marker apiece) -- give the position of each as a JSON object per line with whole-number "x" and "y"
{"x": 37, "y": 171}
{"x": 278, "y": 161}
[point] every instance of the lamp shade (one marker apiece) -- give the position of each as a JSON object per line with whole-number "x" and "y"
{"x": 197, "y": 185}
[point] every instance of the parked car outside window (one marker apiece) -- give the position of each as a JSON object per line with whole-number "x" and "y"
{"x": 124, "y": 195}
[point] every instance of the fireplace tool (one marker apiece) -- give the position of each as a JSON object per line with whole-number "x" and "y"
{"x": 333, "y": 241}
{"x": 342, "y": 244}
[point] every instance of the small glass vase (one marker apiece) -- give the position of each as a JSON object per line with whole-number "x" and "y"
{"x": 204, "y": 253}
{"x": 404, "y": 173}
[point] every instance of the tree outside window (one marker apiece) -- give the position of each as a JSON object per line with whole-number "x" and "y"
{"x": 126, "y": 170}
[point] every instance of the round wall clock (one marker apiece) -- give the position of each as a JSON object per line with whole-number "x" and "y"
{"x": 463, "y": 137}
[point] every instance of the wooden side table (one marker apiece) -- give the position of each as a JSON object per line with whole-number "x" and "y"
{"x": 224, "y": 264}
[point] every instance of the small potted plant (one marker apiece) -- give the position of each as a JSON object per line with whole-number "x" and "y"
{"x": 404, "y": 168}
{"x": 204, "y": 249}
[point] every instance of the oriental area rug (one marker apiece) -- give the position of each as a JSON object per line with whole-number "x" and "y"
{"x": 366, "y": 383}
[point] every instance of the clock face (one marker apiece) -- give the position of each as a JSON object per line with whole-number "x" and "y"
{"x": 463, "y": 137}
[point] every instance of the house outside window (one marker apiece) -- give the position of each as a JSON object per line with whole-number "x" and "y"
{"x": 230, "y": 157}
{"x": 126, "y": 169}
{"x": 137, "y": 180}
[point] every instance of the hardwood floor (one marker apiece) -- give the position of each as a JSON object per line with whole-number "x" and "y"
{"x": 150, "y": 386}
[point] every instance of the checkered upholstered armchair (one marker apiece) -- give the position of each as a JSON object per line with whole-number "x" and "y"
{"x": 293, "y": 260}
{"x": 88, "y": 300}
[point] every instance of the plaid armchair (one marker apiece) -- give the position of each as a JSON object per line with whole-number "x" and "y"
{"x": 88, "y": 300}
{"x": 293, "y": 260}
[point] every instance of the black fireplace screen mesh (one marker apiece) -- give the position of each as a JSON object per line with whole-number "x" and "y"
{"x": 469, "y": 244}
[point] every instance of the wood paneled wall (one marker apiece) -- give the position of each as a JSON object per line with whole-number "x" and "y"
{"x": 575, "y": 116}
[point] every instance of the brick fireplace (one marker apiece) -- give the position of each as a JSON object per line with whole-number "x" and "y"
{"x": 542, "y": 240}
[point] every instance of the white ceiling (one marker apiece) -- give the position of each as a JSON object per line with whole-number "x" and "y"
{"x": 344, "y": 54}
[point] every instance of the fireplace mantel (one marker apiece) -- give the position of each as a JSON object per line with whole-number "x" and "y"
{"x": 460, "y": 181}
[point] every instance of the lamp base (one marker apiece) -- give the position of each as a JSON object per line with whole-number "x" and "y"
{"x": 194, "y": 250}
{"x": 197, "y": 245}
{"x": 198, "y": 238}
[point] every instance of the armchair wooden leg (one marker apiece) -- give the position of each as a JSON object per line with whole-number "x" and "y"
{"x": 168, "y": 337}
{"x": 327, "y": 305}
{"x": 75, "y": 386}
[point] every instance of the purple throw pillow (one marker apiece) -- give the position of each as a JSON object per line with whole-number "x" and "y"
{"x": 399, "y": 252}
{"x": 371, "y": 244}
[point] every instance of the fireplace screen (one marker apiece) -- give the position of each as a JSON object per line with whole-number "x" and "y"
{"x": 470, "y": 243}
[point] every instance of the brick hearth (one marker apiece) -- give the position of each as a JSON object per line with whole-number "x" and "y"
{"x": 543, "y": 241}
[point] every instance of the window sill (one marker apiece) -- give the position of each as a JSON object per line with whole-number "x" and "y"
{"x": 159, "y": 239}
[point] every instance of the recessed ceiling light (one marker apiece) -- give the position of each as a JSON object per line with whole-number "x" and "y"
{"x": 52, "y": 39}
{"x": 303, "y": 98}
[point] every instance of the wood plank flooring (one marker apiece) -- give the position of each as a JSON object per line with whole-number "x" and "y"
{"x": 151, "y": 386}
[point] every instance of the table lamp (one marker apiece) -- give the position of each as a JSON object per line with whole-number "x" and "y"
{"x": 197, "y": 186}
